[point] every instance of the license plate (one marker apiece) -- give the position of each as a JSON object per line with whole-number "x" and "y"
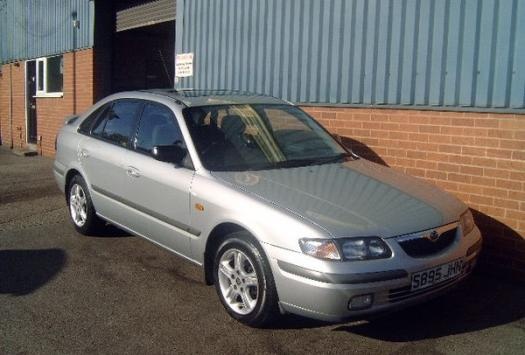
{"x": 436, "y": 275}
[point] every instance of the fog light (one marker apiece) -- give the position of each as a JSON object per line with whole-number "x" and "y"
{"x": 360, "y": 302}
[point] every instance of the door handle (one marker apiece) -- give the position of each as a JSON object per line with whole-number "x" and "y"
{"x": 82, "y": 153}
{"x": 133, "y": 172}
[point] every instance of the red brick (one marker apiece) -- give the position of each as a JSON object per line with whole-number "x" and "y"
{"x": 471, "y": 170}
{"x": 509, "y": 204}
{"x": 459, "y": 177}
{"x": 448, "y": 167}
{"x": 518, "y": 155}
{"x": 496, "y": 173}
{"x": 416, "y": 154}
{"x": 415, "y": 172}
{"x": 482, "y": 200}
{"x": 454, "y": 149}
{"x": 509, "y": 184}
{"x": 499, "y": 153}
{"x": 462, "y": 121}
{"x": 435, "y": 174}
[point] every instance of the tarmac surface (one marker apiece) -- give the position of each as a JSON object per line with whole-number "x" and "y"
{"x": 61, "y": 292}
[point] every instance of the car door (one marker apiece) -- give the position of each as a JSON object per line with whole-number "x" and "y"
{"x": 160, "y": 190}
{"x": 104, "y": 156}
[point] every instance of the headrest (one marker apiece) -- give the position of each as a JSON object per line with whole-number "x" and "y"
{"x": 232, "y": 125}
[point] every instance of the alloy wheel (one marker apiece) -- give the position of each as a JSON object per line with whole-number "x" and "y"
{"x": 238, "y": 281}
{"x": 78, "y": 205}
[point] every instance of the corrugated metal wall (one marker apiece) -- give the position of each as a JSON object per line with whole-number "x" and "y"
{"x": 37, "y": 28}
{"x": 146, "y": 14}
{"x": 467, "y": 53}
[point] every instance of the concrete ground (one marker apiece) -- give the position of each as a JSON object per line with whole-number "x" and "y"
{"x": 61, "y": 292}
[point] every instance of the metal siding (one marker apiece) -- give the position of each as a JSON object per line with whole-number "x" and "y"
{"x": 38, "y": 28}
{"x": 467, "y": 53}
{"x": 146, "y": 14}
{"x": 517, "y": 93}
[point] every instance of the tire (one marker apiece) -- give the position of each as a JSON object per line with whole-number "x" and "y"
{"x": 244, "y": 281}
{"x": 81, "y": 210}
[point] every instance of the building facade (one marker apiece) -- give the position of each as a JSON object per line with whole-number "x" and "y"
{"x": 60, "y": 56}
{"x": 433, "y": 88}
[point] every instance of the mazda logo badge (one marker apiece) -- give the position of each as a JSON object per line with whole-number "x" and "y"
{"x": 432, "y": 236}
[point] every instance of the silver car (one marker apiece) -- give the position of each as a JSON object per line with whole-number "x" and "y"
{"x": 281, "y": 217}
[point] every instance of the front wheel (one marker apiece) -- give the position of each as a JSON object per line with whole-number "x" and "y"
{"x": 244, "y": 282}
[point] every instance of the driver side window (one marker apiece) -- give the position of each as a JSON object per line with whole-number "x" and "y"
{"x": 157, "y": 127}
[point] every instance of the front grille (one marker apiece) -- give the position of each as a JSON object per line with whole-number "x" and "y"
{"x": 421, "y": 246}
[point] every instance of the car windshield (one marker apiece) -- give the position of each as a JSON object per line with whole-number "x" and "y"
{"x": 257, "y": 137}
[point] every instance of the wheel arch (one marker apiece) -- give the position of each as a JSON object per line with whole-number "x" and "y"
{"x": 215, "y": 239}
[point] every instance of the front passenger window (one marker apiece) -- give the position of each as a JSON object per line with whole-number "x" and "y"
{"x": 157, "y": 127}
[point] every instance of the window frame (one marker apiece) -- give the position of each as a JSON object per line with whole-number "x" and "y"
{"x": 44, "y": 92}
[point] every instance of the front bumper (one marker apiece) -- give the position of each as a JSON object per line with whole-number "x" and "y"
{"x": 322, "y": 289}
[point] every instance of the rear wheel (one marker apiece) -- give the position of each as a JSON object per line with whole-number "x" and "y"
{"x": 81, "y": 208}
{"x": 244, "y": 282}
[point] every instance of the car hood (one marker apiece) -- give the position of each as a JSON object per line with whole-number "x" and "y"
{"x": 355, "y": 198}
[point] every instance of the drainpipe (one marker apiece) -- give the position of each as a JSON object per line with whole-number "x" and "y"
{"x": 76, "y": 25}
{"x": 11, "y": 104}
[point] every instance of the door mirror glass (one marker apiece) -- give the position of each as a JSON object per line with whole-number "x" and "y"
{"x": 169, "y": 153}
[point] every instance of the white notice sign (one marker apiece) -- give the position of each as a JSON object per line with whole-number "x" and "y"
{"x": 184, "y": 65}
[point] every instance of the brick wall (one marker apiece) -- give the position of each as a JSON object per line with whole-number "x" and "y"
{"x": 479, "y": 157}
{"x": 18, "y": 104}
{"x": 50, "y": 111}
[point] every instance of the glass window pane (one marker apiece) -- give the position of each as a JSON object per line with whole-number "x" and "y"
{"x": 40, "y": 75}
{"x": 88, "y": 122}
{"x": 298, "y": 136}
{"x": 54, "y": 74}
{"x": 258, "y": 137}
{"x": 157, "y": 127}
{"x": 120, "y": 121}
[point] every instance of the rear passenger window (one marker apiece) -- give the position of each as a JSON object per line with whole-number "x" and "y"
{"x": 85, "y": 126}
{"x": 157, "y": 127}
{"x": 118, "y": 122}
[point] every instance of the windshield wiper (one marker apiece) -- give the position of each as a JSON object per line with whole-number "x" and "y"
{"x": 312, "y": 161}
{"x": 292, "y": 163}
{"x": 332, "y": 159}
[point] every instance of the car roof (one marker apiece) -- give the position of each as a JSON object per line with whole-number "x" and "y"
{"x": 193, "y": 98}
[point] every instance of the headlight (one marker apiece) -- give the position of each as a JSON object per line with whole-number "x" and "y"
{"x": 365, "y": 248}
{"x": 350, "y": 249}
{"x": 467, "y": 222}
{"x": 320, "y": 248}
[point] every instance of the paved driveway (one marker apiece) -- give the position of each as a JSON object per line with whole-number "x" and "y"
{"x": 64, "y": 293}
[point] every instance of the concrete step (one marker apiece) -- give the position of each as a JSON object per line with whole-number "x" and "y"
{"x": 24, "y": 152}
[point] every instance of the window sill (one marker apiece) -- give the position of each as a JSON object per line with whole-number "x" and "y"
{"x": 51, "y": 94}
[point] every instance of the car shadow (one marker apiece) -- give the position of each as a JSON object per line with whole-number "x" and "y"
{"x": 111, "y": 231}
{"x": 479, "y": 303}
{"x": 498, "y": 240}
{"x": 362, "y": 150}
{"x": 24, "y": 271}
{"x": 292, "y": 321}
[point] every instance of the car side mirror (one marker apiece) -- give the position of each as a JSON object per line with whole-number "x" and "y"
{"x": 169, "y": 153}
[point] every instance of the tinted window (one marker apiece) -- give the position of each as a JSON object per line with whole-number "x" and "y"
{"x": 118, "y": 122}
{"x": 157, "y": 127}
{"x": 85, "y": 126}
